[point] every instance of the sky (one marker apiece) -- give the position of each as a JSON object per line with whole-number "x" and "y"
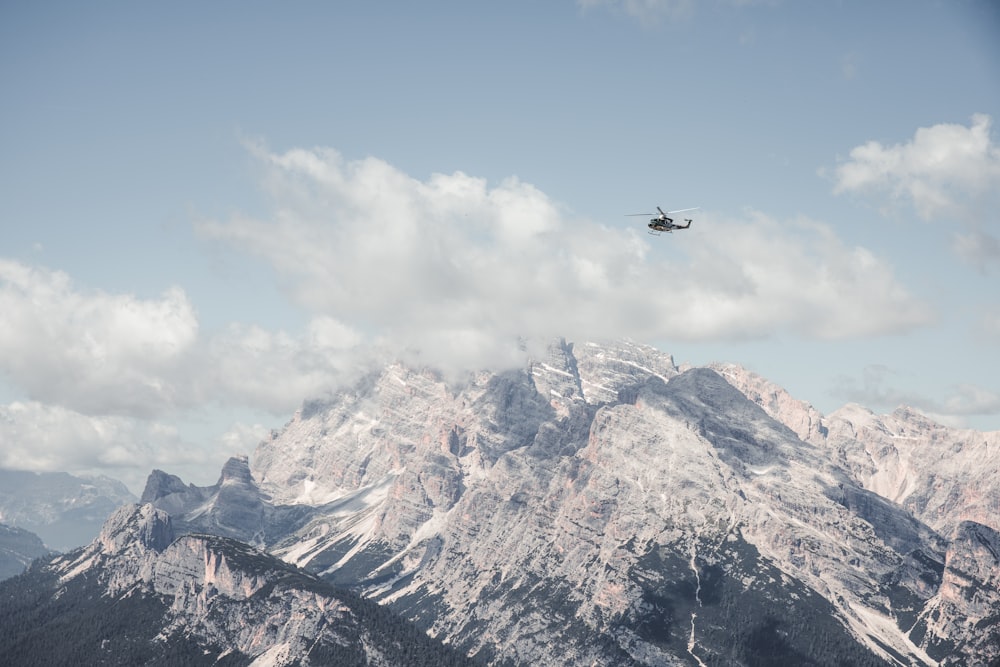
{"x": 211, "y": 212}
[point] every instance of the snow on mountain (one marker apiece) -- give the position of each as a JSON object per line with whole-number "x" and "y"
{"x": 604, "y": 506}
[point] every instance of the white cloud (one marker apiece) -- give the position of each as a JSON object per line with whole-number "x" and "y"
{"x": 967, "y": 399}
{"x": 89, "y": 350}
{"x": 977, "y": 248}
{"x": 48, "y": 438}
{"x": 101, "y": 354}
{"x": 947, "y": 172}
{"x": 275, "y": 371}
{"x": 459, "y": 270}
{"x": 243, "y": 438}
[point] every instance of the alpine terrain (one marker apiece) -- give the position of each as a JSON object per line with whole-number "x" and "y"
{"x": 139, "y": 595}
{"x": 605, "y": 507}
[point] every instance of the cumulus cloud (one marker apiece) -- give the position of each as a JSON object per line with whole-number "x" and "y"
{"x": 463, "y": 272}
{"x": 118, "y": 355}
{"x": 275, "y": 371}
{"x": 51, "y": 438}
{"x": 450, "y": 271}
{"x": 947, "y": 172}
{"x": 90, "y": 350}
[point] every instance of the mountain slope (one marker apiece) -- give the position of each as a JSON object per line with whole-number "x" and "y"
{"x": 137, "y": 596}
{"x": 604, "y": 506}
{"x": 943, "y": 476}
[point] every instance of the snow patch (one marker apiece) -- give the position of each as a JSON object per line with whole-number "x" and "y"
{"x": 551, "y": 370}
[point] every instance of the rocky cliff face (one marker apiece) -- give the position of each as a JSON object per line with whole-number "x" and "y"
{"x": 604, "y": 506}
{"x": 137, "y": 595}
{"x": 943, "y": 476}
{"x": 960, "y": 620}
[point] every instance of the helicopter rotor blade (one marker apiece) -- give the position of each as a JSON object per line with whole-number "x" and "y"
{"x": 682, "y": 210}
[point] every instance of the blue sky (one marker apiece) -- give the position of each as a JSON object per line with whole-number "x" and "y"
{"x": 211, "y": 212}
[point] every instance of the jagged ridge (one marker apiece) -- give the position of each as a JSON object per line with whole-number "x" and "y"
{"x": 137, "y": 595}
{"x": 604, "y": 493}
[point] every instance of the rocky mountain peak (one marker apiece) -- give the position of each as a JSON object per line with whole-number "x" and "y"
{"x": 236, "y": 471}
{"x": 798, "y": 415}
{"x": 603, "y": 491}
{"x": 199, "y": 600}
{"x": 131, "y": 526}
{"x": 159, "y": 485}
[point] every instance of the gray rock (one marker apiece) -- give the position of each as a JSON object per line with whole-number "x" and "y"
{"x": 604, "y": 506}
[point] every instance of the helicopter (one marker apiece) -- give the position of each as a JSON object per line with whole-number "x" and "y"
{"x": 663, "y": 222}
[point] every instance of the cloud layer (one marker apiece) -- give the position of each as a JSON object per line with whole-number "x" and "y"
{"x": 105, "y": 375}
{"x": 450, "y": 271}
{"x": 947, "y": 172}
{"x": 103, "y": 354}
{"x": 461, "y": 270}
{"x": 96, "y": 352}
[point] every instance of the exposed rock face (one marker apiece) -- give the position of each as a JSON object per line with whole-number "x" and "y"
{"x": 943, "y": 476}
{"x": 967, "y": 604}
{"x": 604, "y": 507}
{"x": 800, "y": 416}
{"x": 232, "y": 507}
{"x": 198, "y": 599}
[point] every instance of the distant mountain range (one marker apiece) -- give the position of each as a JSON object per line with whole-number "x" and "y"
{"x": 64, "y": 510}
{"x": 18, "y": 547}
{"x": 604, "y": 506}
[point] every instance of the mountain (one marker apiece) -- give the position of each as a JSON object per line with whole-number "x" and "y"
{"x": 943, "y": 476}
{"x": 18, "y": 547}
{"x": 604, "y": 506}
{"x": 64, "y": 510}
{"x": 139, "y": 596}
